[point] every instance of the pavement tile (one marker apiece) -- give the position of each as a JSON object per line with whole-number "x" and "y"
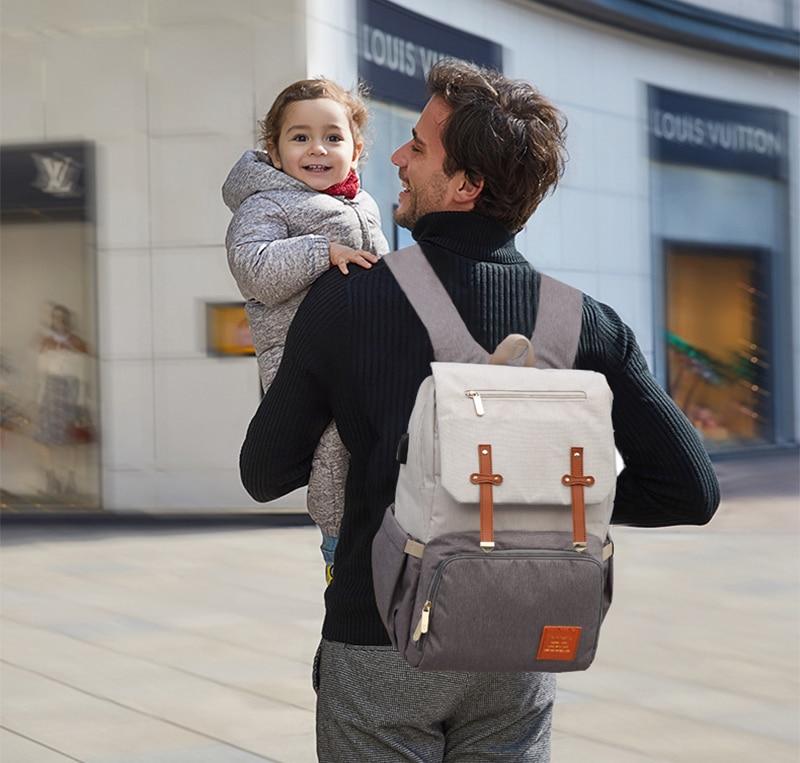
{"x": 740, "y": 516}
{"x": 210, "y": 753}
{"x": 684, "y": 698}
{"x": 662, "y": 735}
{"x": 74, "y": 617}
{"x": 296, "y": 748}
{"x": 747, "y": 676}
{"x": 573, "y": 748}
{"x": 18, "y": 749}
{"x": 92, "y": 729}
{"x": 241, "y": 718}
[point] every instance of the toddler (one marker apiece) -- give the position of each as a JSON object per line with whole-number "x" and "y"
{"x": 298, "y": 211}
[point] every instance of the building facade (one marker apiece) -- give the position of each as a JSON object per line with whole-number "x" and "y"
{"x": 119, "y": 121}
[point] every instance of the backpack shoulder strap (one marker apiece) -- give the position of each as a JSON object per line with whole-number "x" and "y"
{"x": 558, "y": 324}
{"x": 448, "y": 333}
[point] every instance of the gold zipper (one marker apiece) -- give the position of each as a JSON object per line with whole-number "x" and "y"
{"x": 422, "y": 625}
{"x": 477, "y": 396}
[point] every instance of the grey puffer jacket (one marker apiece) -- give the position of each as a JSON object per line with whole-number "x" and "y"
{"x": 277, "y": 246}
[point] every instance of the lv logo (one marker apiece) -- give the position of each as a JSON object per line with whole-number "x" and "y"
{"x": 58, "y": 175}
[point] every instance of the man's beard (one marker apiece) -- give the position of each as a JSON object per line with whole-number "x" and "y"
{"x": 408, "y": 217}
{"x": 421, "y": 203}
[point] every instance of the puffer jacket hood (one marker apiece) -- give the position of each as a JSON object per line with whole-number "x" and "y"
{"x": 254, "y": 173}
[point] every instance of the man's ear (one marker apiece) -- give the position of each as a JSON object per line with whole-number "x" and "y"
{"x": 358, "y": 148}
{"x": 467, "y": 191}
{"x": 274, "y": 156}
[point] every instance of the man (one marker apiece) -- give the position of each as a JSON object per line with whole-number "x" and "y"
{"x": 484, "y": 153}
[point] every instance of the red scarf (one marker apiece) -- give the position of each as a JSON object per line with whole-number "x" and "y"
{"x": 347, "y": 188}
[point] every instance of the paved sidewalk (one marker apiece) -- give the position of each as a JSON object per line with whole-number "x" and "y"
{"x": 194, "y": 645}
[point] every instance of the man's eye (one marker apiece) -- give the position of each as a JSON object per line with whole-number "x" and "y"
{"x": 415, "y": 149}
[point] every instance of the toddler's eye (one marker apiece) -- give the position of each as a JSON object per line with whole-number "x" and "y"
{"x": 336, "y": 138}
{"x": 300, "y": 138}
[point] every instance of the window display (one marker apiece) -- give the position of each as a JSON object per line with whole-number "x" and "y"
{"x": 49, "y": 397}
{"x": 717, "y": 347}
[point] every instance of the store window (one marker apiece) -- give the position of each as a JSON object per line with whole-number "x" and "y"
{"x": 719, "y": 365}
{"x": 48, "y": 331}
{"x": 389, "y": 127}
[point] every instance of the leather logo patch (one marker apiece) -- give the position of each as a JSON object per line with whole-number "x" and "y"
{"x": 559, "y": 642}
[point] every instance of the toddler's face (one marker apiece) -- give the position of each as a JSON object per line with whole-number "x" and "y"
{"x": 316, "y": 144}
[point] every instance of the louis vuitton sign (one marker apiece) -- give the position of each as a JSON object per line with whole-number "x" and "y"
{"x": 708, "y": 132}
{"x": 397, "y": 48}
{"x": 46, "y": 182}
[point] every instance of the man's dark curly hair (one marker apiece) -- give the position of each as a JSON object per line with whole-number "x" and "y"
{"x": 503, "y": 132}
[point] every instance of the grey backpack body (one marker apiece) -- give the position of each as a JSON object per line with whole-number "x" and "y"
{"x": 495, "y": 555}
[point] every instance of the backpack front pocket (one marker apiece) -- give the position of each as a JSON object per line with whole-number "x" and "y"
{"x": 511, "y": 610}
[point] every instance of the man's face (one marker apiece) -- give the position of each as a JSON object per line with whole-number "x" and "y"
{"x": 426, "y": 187}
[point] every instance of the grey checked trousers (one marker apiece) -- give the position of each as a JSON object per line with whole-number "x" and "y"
{"x": 373, "y": 708}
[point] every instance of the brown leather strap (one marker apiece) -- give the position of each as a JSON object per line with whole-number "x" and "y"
{"x": 577, "y": 482}
{"x": 487, "y": 481}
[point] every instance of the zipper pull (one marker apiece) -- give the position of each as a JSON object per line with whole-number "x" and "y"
{"x": 476, "y": 398}
{"x": 422, "y": 625}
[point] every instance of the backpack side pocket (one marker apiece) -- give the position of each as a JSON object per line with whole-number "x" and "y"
{"x": 395, "y": 576}
{"x": 608, "y": 580}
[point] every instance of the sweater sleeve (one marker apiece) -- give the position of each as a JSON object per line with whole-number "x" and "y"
{"x": 268, "y": 265}
{"x": 668, "y": 478}
{"x": 279, "y": 446}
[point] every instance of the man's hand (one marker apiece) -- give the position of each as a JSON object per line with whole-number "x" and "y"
{"x": 341, "y": 255}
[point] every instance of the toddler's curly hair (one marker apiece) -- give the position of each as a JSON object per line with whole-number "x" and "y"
{"x": 309, "y": 90}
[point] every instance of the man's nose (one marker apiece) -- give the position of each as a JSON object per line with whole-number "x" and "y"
{"x": 399, "y": 156}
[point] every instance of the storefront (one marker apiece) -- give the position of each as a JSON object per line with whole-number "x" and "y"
{"x": 693, "y": 242}
{"x": 719, "y": 207}
{"x": 49, "y": 395}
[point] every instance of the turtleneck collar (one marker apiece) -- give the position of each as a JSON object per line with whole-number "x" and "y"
{"x": 468, "y": 234}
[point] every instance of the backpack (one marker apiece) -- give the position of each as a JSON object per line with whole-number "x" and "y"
{"x": 495, "y": 554}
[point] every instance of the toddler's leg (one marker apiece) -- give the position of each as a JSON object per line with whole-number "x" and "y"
{"x": 328, "y": 549}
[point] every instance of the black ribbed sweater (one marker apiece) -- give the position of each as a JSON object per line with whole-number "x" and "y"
{"x": 356, "y": 352}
